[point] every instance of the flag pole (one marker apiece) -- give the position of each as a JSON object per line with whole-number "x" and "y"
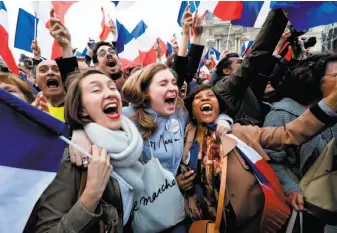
{"x": 35, "y": 27}
{"x": 229, "y": 32}
{"x": 75, "y": 146}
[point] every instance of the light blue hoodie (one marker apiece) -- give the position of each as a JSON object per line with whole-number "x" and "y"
{"x": 167, "y": 145}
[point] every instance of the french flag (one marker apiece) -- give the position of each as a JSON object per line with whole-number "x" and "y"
{"x": 276, "y": 211}
{"x": 308, "y": 14}
{"x": 248, "y": 14}
{"x": 253, "y": 14}
{"x": 36, "y": 25}
{"x": 205, "y": 71}
{"x": 5, "y": 52}
{"x": 194, "y": 5}
{"x": 246, "y": 47}
{"x": 31, "y": 154}
{"x": 136, "y": 40}
{"x": 213, "y": 55}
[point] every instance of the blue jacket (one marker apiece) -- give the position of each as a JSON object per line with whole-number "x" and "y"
{"x": 166, "y": 145}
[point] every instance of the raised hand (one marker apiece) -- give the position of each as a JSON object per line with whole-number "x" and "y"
{"x": 112, "y": 26}
{"x": 197, "y": 26}
{"x": 36, "y": 49}
{"x": 286, "y": 34}
{"x": 157, "y": 48}
{"x": 41, "y": 103}
{"x": 59, "y": 31}
{"x": 187, "y": 21}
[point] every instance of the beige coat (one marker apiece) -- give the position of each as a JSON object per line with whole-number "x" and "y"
{"x": 242, "y": 188}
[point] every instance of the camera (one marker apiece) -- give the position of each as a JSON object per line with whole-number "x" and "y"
{"x": 4, "y": 69}
{"x": 25, "y": 62}
{"x": 295, "y": 34}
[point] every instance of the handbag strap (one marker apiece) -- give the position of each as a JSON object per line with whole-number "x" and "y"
{"x": 292, "y": 222}
{"x": 221, "y": 199}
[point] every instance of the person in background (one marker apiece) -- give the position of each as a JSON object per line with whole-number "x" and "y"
{"x": 313, "y": 79}
{"x": 228, "y": 64}
{"x": 17, "y": 87}
{"x": 104, "y": 54}
{"x": 82, "y": 65}
{"x": 254, "y": 198}
{"x": 242, "y": 90}
{"x": 49, "y": 81}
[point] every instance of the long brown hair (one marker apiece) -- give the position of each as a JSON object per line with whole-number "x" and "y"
{"x": 134, "y": 91}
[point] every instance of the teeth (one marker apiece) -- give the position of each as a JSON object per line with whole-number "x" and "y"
{"x": 206, "y": 105}
{"x": 111, "y": 106}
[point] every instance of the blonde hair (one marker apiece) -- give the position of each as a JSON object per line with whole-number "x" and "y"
{"x": 134, "y": 90}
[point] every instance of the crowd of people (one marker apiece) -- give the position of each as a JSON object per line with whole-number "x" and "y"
{"x": 262, "y": 120}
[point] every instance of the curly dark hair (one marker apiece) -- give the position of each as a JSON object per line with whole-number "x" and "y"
{"x": 189, "y": 101}
{"x": 303, "y": 84}
{"x": 97, "y": 46}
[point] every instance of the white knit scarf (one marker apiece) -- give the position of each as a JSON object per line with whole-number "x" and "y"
{"x": 124, "y": 148}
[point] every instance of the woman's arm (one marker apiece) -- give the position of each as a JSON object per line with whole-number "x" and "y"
{"x": 278, "y": 118}
{"x": 67, "y": 63}
{"x": 59, "y": 210}
{"x": 196, "y": 49}
{"x": 306, "y": 126}
{"x": 180, "y": 62}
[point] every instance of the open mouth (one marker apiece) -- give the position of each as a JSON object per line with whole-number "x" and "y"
{"x": 111, "y": 63}
{"x": 52, "y": 83}
{"x": 111, "y": 110}
{"x": 170, "y": 100}
{"x": 206, "y": 108}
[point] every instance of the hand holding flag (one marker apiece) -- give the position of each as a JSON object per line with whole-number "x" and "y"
{"x": 157, "y": 48}
{"x": 112, "y": 26}
{"x": 36, "y": 49}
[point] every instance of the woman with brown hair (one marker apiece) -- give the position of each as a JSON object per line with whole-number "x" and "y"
{"x": 101, "y": 198}
{"x": 254, "y": 198}
{"x": 160, "y": 116}
{"x": 16, "y": 86}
